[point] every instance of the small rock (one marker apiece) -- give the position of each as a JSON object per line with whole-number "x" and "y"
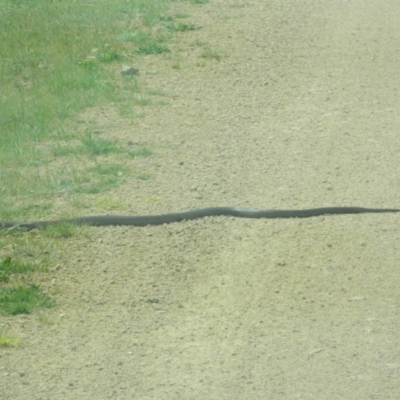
{"x": 128, "y": 70}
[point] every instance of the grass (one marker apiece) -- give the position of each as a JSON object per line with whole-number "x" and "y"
{"x": 54, "y": 62}
{"x": 28, "y": 210}
{"x": 64, "y": 230}
{"x": 8, "y": 340}
{"x": 23, "y": 300}
{"x": 153, "y": 47}
{"x": 89, "y": 185}
{"x": 97, "y": 146}
{"x": 58, "y": 59}
{"x": 99, "y": 177}
{"x": 25, "y": 257}
{"x": 43, "y": 72}
{"x": 107, "y": 203}
{"x": 8, "y": 267}
{"x": 89, "y": 145}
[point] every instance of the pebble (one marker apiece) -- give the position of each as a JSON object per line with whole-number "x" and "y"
{"x": 128, "y": 70}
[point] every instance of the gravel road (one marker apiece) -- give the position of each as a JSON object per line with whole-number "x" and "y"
{"x": 294, "y": 104}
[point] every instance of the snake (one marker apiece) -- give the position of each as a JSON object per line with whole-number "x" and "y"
{"x": 144, "y": 220}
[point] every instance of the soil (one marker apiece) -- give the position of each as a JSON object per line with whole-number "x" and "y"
{"x": 296, "y": 106}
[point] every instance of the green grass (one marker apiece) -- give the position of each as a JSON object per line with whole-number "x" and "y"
{"x": 8, "y": 267}
{"x": 23, "y": 300}
{"x": 23, "y": 211}
{"x": 58, "y": 59}
{"x": 145, "y": 41}
{"x": 153, "y": 47}
{"x": 64, "y": 230}
{"x": 94, "y": 179}
{"x": 54, "y": 59}
{"x": 54, "y": 63}
{"x": 90, "y": 145}
{"x": 43, "y": 73}
{"x": 90, "y": 185}
{"x": 97, "y": 146}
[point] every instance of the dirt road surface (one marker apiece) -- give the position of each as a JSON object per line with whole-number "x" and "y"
{"x": 296, "y": 104}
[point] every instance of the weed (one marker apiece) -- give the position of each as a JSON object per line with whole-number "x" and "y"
{"x": 91, "y": 145}
{"x": 9, "y": 266}
{"x": 110, "y": 55}
{"x": 90, "y": 65}
{"x": 146, "y": 42}
{"x": 97, "y": 146}
{"x": 23, "y": 300}
{"x": 63, "y": 230}
{"x": 152, "y": 48}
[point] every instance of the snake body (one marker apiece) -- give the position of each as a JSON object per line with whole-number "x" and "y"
{"x": 144, "y": 220}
